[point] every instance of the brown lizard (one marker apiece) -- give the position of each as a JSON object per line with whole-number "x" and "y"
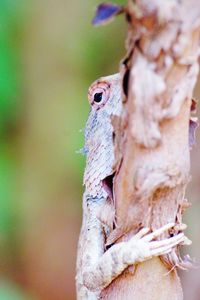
{"x": 98, "y": 266}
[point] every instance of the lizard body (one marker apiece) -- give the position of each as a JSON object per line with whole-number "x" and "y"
{"x": 97, "y": 266}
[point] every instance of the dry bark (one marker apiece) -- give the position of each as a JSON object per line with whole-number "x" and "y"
{"x": 152, "y": 137}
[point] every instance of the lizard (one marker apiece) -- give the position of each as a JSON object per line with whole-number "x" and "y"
{"x": 98, "y": 266}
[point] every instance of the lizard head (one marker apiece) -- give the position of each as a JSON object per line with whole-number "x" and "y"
{"x": 104, "y": 96}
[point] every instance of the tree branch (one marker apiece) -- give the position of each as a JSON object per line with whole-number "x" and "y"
{"x": 152, "y": 137}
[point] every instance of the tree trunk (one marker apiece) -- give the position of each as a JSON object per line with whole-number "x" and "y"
{"x": 152, "y": 137}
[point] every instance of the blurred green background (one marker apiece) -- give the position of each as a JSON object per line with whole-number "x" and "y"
{"x": 49, "y": 55}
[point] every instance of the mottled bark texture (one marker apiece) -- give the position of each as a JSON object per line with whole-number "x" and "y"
{"x": 152, "y": 137}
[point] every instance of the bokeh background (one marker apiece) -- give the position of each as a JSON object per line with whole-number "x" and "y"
{"x": 49, "y": 55}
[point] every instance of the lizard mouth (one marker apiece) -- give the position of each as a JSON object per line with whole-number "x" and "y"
{"x": 108, "y": 185}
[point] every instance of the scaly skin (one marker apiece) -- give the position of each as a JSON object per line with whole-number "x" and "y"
{"x": 99, "y": 134}
{"x": 96, "y": 266}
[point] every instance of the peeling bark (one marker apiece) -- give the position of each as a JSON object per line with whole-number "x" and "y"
{"x": 152, "y": 137}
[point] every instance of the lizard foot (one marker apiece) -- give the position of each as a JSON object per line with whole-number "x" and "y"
{"x": 142, "y": 246}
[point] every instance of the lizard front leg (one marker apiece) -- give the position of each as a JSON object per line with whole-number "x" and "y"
{"x": 91, "y": 244}
{"x": 139, "y": 248}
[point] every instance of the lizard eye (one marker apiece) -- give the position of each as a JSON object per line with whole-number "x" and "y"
{"x": 98, "y": 97}
{"x": 98, "y": 94}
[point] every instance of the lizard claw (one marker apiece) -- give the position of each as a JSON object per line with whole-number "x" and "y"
{"x": 158, "y": 232}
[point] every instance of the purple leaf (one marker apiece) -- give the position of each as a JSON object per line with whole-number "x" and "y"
{"x": 106, "y": 12}
{"x": 192, "y": 128}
